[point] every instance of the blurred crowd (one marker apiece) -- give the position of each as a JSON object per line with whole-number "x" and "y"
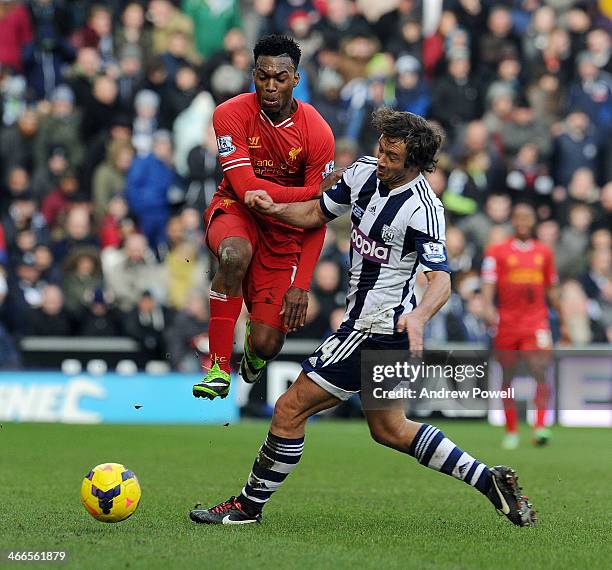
{"x": 108, "y": 158}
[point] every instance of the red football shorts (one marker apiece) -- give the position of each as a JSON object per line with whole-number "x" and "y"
{"x": 512, "y": 344}
{"x": 263, "y": 287}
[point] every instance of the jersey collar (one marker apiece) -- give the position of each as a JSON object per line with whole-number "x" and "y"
{"x": 288, "y": 122}
{"x": 523, "y": 245}
{"x": 384, "y": 191}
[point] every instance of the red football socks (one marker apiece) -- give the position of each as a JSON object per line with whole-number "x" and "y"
{"x": 511, "y": 415}
{"x": 224, "y": 312}
{"x": 541, "y": 402}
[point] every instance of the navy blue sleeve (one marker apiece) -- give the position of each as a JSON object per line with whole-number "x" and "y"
{"x": 431, "y": 253}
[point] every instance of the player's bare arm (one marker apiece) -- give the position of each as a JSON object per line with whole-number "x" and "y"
{"x": 437, "y": 293}
{"x": 262, "y": 202}
{"x": 298, "y": 214}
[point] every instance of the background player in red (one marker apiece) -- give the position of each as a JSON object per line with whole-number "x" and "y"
{"x": 269, "y": 141}
{"x": 519, "y": 274}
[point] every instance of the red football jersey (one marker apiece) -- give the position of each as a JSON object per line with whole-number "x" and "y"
{"x": 288, "y": 159}
{"x": 522, "y": 271}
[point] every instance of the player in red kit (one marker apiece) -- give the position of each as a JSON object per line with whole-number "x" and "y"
{"x": 520, "y": 275}
{"x": 269, "y": 141}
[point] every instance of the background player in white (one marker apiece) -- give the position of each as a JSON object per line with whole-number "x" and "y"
{"x": 397, "y": 230}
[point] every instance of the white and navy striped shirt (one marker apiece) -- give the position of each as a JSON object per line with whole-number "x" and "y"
{"x": 394, "y": 234}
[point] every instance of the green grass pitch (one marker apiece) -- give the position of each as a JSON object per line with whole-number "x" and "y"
{"x": 350, "y": 503}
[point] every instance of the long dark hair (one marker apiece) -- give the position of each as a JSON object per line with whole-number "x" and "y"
{"x": 422, "y": 140}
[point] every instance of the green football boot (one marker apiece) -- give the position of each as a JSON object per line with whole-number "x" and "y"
{"x": 541, "y": 437}
{"x": 215, "y": 383}
{"x": 251, "y": 366}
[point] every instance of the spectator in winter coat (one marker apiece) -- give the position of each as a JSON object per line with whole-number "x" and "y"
{"x": 97, "y": 33}
{"x": 592, "y": 94}
{"x": 101, "y": 108}
{"x": 455, "y": 98}
{"x": 15, "y": 33}
{"x": 524, "y": 127}
{"x": 17, "y": 183}
{"x": 23, "y": 216}
{"x": 179, "y": 95}
{"x": 82, "y": 276}
{"x": 60, "y": 129}
{"x": 50, "y": 318}
{"x": 100, "y": 319}
{"x": 203, "y": 172}
{"x": 17, "y": 143}
{"x": 146, "y": 323}
{"x": 477, "y": 227}
{"x": 43, "y": 61}
{"x": 131, "y": 31}
{"x": 573, "y": 242}
{"x": 579, "y": 315}
{"x": 131, "y": 76}
{"x": 116, "y": 225}
{"x": 56, "y": 204}
{"x": 327, "y": 101}
{"x": 412, "y": 93}
{"x": 148, "y": 181}
{"x": 498, "y": 40}
{"x": 109, "y": 177}
{"x": 25, "y": 294}
{"x": 211, "y": 22}
{"x": 47, "y": 178}
{"x": 597, "y": 283}
{"x": 184, "y": 269}
{"x": 177, "y": 55}
{"x": 340, "y": 22}
{"x": 133, "y": 272}
{"x": 575, "y": 147}
{"x": 78, "y": 233}
{"x": 168, "y": 19}
{"x": 146, "y": 107}
{"x": 83, "y": 73}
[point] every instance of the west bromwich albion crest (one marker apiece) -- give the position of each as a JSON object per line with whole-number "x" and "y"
{"x": 387, "y": 234}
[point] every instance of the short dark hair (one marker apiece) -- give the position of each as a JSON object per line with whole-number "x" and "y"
{"x": 277, "y": 45}
{"x": 524, "y": 203}
{"x": 422, "y": 139}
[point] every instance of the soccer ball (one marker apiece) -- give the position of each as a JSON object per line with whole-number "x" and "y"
{"x": 110, "y": 492}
